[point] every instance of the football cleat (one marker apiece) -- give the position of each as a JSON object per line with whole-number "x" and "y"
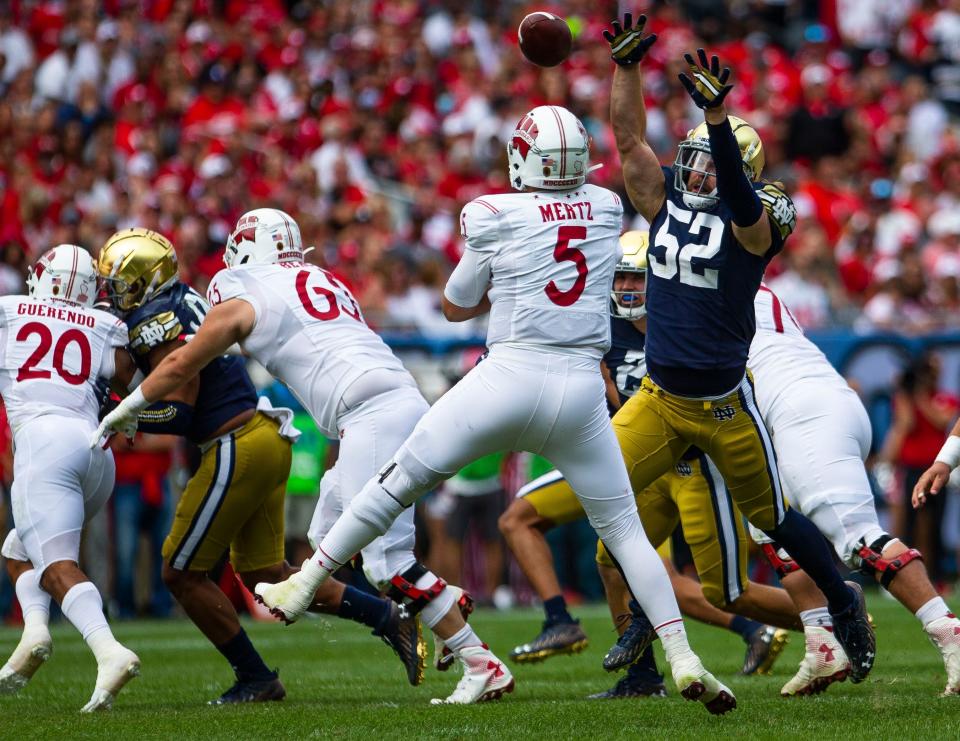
{"x": 113, "y": 672}
{"x": 253, "y": 690}
{"x": 634, "y": 641}
{"x": 443, "y": 657}
{"x": 696, "y": 683}
{"x": 944, "y": 633}
{"x": 636, "y": 683}
{"x": 290, "y": 598}
{"x": 484, "y": 678}
{"x": 854, "y": 632}
{"x": 403, "y": 634}
{"x": 823, "y": 663}
{"x": 33, "y": 650}
{"x": 554, "y": 639}
{"x": 764, "y": 646}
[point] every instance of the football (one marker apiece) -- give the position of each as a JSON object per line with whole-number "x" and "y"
{"x": 545, "y": 39}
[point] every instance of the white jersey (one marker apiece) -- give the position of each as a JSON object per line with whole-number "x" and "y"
{"x": 309, "y": 333}
{"x": 548, "y": 259}
{"x": 53, "y": 354}
{"x": 780, "y": 354}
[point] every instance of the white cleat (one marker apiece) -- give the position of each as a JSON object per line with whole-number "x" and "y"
{"x": 113, "y": 673}
{"x": 485, "y": 677}
{"x": 824, "y": 663}
{"x": 33, "y": 650}
{"x": 290, "y": 598}
{"x": 696, "y": 683}
{"x": 944, "y": 633}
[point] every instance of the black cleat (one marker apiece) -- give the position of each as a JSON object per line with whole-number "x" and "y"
{"x": 635, "y": 640}
{"x": 633, "y": 686}
{"x": 554, "y": 639}
{"x": 403, "y": 634}
{"x": 764, "y": 645}
{"x": 853, "y": 631}
{"x": 252, "y": 690}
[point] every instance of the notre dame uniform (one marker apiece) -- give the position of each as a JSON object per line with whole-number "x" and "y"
{"x": 235, "y": 499}
{"x": 692, "y": 494}
{"x": 700, "y": 288}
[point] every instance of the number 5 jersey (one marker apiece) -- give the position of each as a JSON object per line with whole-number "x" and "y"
{"x": 548, "y": 260}
{"x": 53, "y": 353}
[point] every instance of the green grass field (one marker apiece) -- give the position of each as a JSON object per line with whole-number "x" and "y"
{"x": 342, "y": 683}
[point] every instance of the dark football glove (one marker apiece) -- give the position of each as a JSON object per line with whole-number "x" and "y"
{"x": 627, "y": 43}
{"x": 706, "y": 84}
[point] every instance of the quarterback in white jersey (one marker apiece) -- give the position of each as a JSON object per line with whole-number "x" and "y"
{"x": 305, "y": 327}
{"x": 821, "y": 434}
{"x": 541, "y": 262}
{"x": 55, "y": 349}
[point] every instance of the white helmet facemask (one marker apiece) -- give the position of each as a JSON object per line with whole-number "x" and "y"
{"x": 67, "y": 273}
{"x": 549, "y": 149}
{"x": 264, "y": 236}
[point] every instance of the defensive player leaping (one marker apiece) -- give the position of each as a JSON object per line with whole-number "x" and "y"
{"x": 55, "y": 347}
{"x": 541, "y": 262}
{"x": 305, "y": 327}
{"x": 713, "y": 231}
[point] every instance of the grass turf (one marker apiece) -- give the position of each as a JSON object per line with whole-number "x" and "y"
{"x": 343, "y": 683}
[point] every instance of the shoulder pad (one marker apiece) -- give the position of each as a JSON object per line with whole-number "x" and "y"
{"x": 158, "y": 329}
{"x": 779, "y": 208}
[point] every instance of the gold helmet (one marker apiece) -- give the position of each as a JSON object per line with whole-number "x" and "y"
{"x": 693, "y": 155}
{"x": 631, "y": 304}
{"x": 134, "y": 265}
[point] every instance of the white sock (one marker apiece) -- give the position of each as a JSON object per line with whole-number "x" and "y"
{"x": 933, "y": 609}
{"x": 437, "y": 608}
{"x": 351, "y": 533}
{"x": 34, "y": 602}
{"x": 83, "y": 607}
{"x": 463, "y": 638}
{"x": 819, "y": 617}
{"x": 673, "y": 638}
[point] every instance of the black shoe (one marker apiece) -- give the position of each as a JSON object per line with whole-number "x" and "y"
{"x": 633, "y": 686}
{"x": 402, "y": 633}
{"x": 854, "y": 632}
{"x": 764, "y": 645}
{"x": 635, "y": 640}
{"x": 252, "y": 690}
{"x": 554, "y": 639}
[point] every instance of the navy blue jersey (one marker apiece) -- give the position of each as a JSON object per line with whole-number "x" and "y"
{"x": 700, "y": 288}
{"x": 225, "y": 387}
{"x": 625, "y": 359}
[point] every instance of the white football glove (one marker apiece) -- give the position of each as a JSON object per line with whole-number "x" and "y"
{"x": 123, "y": 419}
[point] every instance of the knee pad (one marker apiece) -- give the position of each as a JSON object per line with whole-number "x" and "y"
{"x": 13, "y": 548}
{"x": 420, "y": 590}
{"x": 405, "y": 478}
{"x": 872, "y": 562}
{"x": 779, "y": 559}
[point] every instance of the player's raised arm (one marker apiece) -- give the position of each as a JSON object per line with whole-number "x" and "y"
{"x": 935, "y": 478}
{"x": 224, "y": 325}
{"x": 628, "y": 116}
{"x": 707, "y": 85}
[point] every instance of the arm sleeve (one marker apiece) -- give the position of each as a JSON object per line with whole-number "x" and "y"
{"x": 733, "y": 186}
{"x": 479, "y": 226}
{"x": 782, "y": 213}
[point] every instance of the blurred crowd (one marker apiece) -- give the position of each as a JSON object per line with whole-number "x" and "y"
{"x": 373, "y": 122}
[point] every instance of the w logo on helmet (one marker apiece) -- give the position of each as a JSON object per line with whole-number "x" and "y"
{"x": 246, "y": 230}
{"x": 525, "y": 135}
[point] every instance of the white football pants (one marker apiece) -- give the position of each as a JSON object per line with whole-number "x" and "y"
{"x": 369, "y": 437}
{"x": 525, "y": 400}
{"x": 821, "y": 434}
{"x": 58, "y": 481}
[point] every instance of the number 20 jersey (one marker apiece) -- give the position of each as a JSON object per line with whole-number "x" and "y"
{"x": 551, "y": 258}
{"x": 700, "y": 287}
{"x": 53, "y": 354}
{"x": 308, "y": 333}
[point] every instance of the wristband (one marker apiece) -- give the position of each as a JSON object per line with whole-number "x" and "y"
{"x": 950, "y": 452}
{"x": 135, "y": 401}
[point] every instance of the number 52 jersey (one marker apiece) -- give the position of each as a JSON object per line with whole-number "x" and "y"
{"x": 548, "y": 260}
{"x": 53, "y": 354}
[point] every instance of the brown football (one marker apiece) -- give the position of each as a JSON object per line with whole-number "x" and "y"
{"x": 545, "y": 39}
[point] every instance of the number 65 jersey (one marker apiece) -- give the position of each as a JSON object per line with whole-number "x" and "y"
{"x": 308, "y": 333}
{"x": 53, "y": 354}
{"x": 548, "y": 260}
